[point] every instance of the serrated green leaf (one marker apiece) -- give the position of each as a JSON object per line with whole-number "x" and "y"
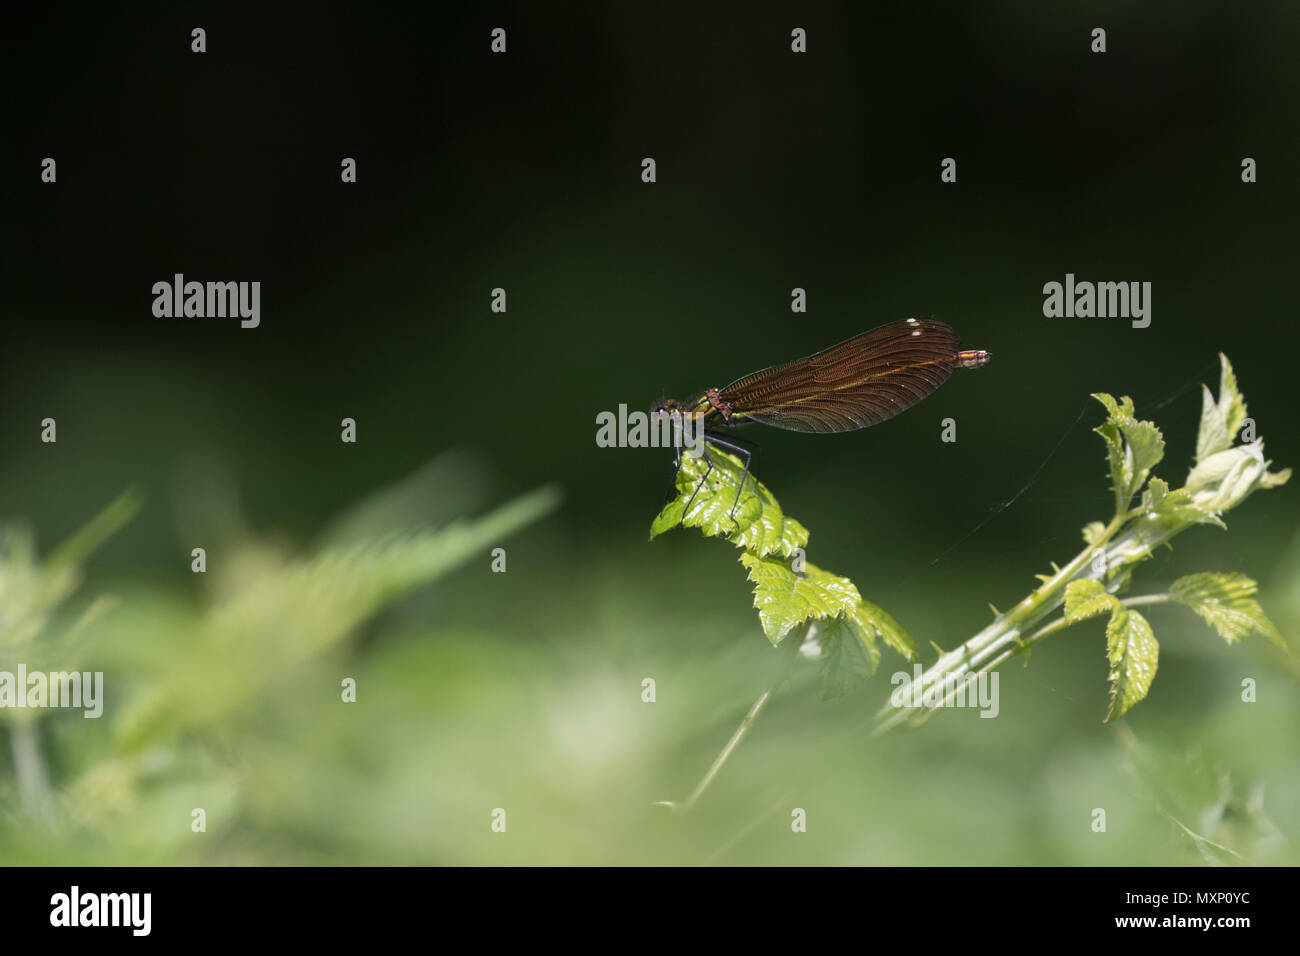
{"x": 1119, "y": 583}
{"x": 1093, "y": 532}
{"x": 1213, "y": 435}
{"x": 1221, "y": 419}
{"x": 1087, "y": 598}
{"x": 785, "y": 599}
{"x": 1133, "y": 654}
{"x": 1115, "y": 410}
{"x": 1148, "y": 449}
{"x": 872, "y": 621}
{"x": 1224, "y": 600}
{"x": 847, "y": 660}
{"x": 850, "y": 653}
{"x": 1133, "y": 447}
{"x": 1121, "y": 472}
{"x": 1231, "y": 402}
{"x": 1155, "y": 494}
{"x": 779, "y": 610}
{"x": 759, "y": 524}
{"x": 1179, "y": 506}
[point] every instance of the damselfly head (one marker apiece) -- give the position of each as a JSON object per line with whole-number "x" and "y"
{"x": 665, "y": 406}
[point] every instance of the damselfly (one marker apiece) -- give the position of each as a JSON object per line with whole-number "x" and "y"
{"x": 862, "y": 381}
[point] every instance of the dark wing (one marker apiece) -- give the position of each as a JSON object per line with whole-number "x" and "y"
{"x": 862, "y": 381}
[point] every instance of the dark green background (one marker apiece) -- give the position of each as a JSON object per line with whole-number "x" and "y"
{"x": 775, "y": 170}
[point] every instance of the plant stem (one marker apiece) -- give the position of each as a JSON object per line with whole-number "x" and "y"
{"x": 792, "y": 646}
{"x": 1105, "y": 560}
{"x": 29, "y": 768}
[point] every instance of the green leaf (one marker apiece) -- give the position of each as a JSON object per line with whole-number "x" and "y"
{"x": 1275, "y": 479}
{"x": 1133, "y": 653}
{"x": 1115, "y": 410}
{"x": 31, "y": 590}
{"x": 1154, "y": 497}
{"x": 290, "y": 610}
{"x": 1148, "y": 447}
{"x": 99, "y": 529}
{"x": 785, "y": 599}
{"x": 1121, "y": 473}
{"x": 1213, "y": 435}
{"x": 847, "y": 660}
{"x": 1133, "y": 447}
{"x": 850, "y": 627}
{"x": 1224, "y": 600}
{"x": 870, "y": 621}
{"x": 850, "y": 653}
{"x": 1232, "y": 404}
{"x": 759, "y": 524}
{"x": 1222, "y": 419}
{"x": 1176, "y": 506}
{"x": 1087, "y": 598}
{"x": 1093, "y": 532}
{"x": 1225, "y": 479}
{"x": 1224, "y": 474}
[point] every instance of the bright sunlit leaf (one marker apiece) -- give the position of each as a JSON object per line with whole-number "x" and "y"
{"x": 1133, "y": 654}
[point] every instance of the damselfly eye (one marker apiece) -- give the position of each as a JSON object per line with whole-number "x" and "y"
{"x": 663, "y": 406}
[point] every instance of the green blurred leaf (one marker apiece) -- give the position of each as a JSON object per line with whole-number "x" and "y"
{"x": 872, "y": 621}
{"x": 31, "y": 590}
{"x": 291, "y": 610}
{"x": 848, "y": 660}
{"x": 92, "y": 535}
{"x": 1224, "y": 600}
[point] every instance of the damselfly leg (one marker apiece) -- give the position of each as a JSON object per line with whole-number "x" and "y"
{"x": 744, "y": 448}
{"x": 740, "y": 446}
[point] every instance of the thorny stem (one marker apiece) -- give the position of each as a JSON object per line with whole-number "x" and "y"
{"x": 792, "y": 646}
{"x": 1105, "y": 560}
